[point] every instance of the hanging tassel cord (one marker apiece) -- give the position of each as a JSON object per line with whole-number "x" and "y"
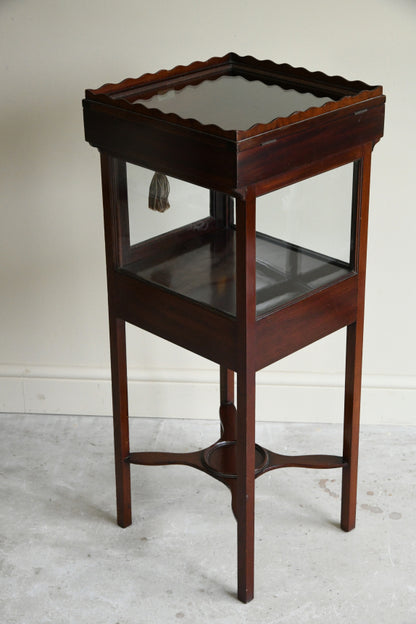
{"x": 159, "y": 193}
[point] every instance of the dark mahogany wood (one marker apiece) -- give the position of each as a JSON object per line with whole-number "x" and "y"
{"x": 177, "y": 319}
{"x": 130, "y": 95}
{"x": 322, "y": 462}
{"x": 228, "y": 413}
{"x": 114, "y": 197}
{"x": 246, "y": 387}
{"x": 230, "y": 159}
{"x": 353, "y": 366}
{"x": 220, "y": 460}
{"x": 196, "y": 286}
{"x": 286, "y": 330}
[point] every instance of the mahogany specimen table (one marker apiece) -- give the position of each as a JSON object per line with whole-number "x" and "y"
{"x": 241, "y": 128}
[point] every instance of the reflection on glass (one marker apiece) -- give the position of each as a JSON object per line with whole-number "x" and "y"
{"x": 233, "y": 102}
{"x": 302, "y": 243}
{"x": 286, "y": 272}
{"x": 188, "y": 203}
{"x": 203, "y": 269}
{"x": 314, "y": 214}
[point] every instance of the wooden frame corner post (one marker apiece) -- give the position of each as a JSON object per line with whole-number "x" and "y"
{"x": 354, "y": 346}
{"x": 113, "y": 177}
{"x": 246, "y": 319}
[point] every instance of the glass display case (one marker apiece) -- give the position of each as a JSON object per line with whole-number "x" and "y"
{"x": 257, "y": 175}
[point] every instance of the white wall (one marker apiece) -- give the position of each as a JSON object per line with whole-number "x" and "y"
{"x": 54, "y": 353}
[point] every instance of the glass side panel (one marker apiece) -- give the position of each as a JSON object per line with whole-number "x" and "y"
{"x": 302, "y": 242}
{"x": 285, "y": 273}
{"x": 204, "y": 270}
{"x": 314, "y": 214}
{"x": 310, "y": 226}
{"x": 233, "y": 102}
{"x": 188, "y": 202}
{"x": 183, "y": 249}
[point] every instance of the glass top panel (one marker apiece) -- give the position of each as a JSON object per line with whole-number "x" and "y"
{"x": 233, "y": 102}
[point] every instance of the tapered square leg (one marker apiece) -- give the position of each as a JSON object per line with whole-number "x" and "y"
{"x": 354, "y": 351}
{"x": 245, "y": 483}
{"x": 227, "y": 408}
{"x": 351, "y": 425}
{"x": 120, "y": 419}
{"x": 246, "y": 386}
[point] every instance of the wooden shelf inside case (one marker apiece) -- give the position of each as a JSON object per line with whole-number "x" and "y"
{"x": 203, "y": 268}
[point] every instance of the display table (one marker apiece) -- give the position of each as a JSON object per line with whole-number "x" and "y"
{"x": 243, "y": 129}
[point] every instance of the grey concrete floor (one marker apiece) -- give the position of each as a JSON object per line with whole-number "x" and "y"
{"x": 65, "y": 560}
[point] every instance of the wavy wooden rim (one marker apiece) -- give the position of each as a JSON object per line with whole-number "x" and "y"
{"x": 184, "y": 75}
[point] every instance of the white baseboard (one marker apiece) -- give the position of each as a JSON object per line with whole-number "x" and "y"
{"x": 281, "y": 397}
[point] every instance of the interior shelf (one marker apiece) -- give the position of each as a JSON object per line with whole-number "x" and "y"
{"x": 203, "y": 268}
